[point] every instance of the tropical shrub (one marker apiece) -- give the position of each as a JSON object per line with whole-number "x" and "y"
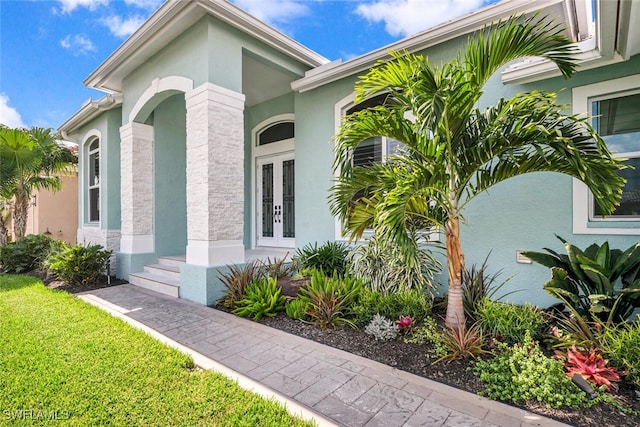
{"x": 330, "y": 299}
{"x": 405, "y": 324}
{"x": 262, "y": 297}
{"x": 278, "y": 267}
{"x": 460, "y": 343}
{"x": 509, "y": 322}
{"x": 382, "y": 329}
{"x": 26, "y": 254}
{"x": 599, "y": 283}
{"x": 522, "y": 372}
{"x": 385, "y": 267}
{"x": 591, "y": 366}
{"x": 477, "y": 285}
{"x": 622, "y": 346}
{"x": 297, "y": 308}
{"x": 330, "y": 258}
{"x": 412, "y": 302}
{"x": 78, "y": 265}
{"x": 236, "y": 281}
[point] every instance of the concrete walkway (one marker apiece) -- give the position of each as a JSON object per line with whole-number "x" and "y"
{"x": 313, "y": 380}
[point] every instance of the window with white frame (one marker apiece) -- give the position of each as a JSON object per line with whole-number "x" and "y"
{"x": 93, "y": 181}
{"x": 614, "y": 108}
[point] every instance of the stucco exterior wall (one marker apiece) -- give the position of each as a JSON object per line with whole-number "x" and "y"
{"x": 55, "y": 212}
{"x": 524, "y": 213}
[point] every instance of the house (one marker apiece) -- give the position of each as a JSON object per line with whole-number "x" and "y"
{"x": 214, "y": 142}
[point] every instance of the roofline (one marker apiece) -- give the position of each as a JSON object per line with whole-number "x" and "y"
{"x": 159, "y": 23}
{"x": 441, "y": 33}
{"x": 90, "y": 109}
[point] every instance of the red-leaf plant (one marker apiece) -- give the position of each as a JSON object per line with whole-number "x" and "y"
{"x": 591, "y": 367}
{"x": 405, "y": 323}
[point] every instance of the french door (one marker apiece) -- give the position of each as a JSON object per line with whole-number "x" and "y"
{"x": 275, "y": 200}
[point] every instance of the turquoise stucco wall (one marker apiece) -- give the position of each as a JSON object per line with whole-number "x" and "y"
{"x": 108, "y": 124}
{"x": 169, "y": 177}
{"x": 521, "y": 214}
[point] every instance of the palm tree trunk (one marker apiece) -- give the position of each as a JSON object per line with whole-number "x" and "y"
{"x": 455, "y": 262}
{"x": 20, "y": 212}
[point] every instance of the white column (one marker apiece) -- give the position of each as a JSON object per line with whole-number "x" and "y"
{"x": 136, "y": 188}
{"x": 215, "y": 176}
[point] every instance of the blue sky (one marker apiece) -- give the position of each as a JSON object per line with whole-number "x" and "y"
{"x": 48, "y": 47}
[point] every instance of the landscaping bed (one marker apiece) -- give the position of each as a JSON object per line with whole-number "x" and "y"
{"x": 414, "y": 358}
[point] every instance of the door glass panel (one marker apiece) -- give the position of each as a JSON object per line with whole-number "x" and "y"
{"x": 267, "y": 200}
{"x": 288, "y": 199}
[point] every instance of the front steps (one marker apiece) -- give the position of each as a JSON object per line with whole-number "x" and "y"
{"x": 163, "y": 277}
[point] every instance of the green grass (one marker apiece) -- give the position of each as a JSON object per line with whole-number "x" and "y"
{"x": 67, "y": 359}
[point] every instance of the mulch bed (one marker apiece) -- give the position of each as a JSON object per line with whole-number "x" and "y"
{"x": 52, "y": 283}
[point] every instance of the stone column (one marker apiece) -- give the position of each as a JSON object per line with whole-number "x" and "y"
{"x": 136, "y": 188}
{"x": 215, "y": 176}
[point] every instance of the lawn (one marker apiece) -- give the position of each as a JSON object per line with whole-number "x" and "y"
{"x": 61, "y": 358}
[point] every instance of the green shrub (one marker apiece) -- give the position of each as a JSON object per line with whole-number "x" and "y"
{"x": 78, "y": 265}
{"x": 330, "y": 299}
{"x": 477, "y": 285}
{"x": 449, "y": 344}
{"x": 26, "y": 254}
{"x": 298, "y": 308}
{"x": 599, "y": 284}
{"x": 236, "y": 281}
{"x": 621, "y": 346}
{"x": 385, "y": 267}
{"x": 523, "y": 372}
{"x": 509, "y": 321}
{"x": 412, "y": 302}
{"x": 262, "y": 297}
{"x": 329, "y": 258}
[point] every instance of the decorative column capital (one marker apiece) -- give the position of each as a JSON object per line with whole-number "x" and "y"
{"x": 210, "y": 94}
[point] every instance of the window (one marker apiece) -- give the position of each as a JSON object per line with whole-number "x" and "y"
{"x": 276, "y": 132}
{"x": 614, "y": 108}
{"x": 617, "y": 120}
{"x": 94, "y": 180}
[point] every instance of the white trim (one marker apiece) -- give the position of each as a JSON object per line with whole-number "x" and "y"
{"x": 136, "y": 243}
{"x": 581, "y": 196}
{"x": 88, "y": 138}
{"x": 257, "y": 151}
{"x": 177, "y": 83}
{"x": 213, "y": 253}
{"x": 210, "y": 93}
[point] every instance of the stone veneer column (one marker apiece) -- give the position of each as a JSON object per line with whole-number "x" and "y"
{"x": 215, "y": 176}
{"x": 136, "y": 188}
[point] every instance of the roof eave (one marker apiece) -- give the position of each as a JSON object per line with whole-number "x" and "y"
{"x": 90, "y": 110}
{"x": 425, "y": 39}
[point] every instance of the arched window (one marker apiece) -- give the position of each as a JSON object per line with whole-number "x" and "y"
{"x": 276, "y": 132}
{"x": 93, "y": 182}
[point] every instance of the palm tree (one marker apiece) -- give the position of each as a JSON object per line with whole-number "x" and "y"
{"x": 453, "y": 150}
{"x": 29, "y": 160}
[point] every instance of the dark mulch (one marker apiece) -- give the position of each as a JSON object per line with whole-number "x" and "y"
{"x": 414, "y": 358}
{"x": 52, "y": 283}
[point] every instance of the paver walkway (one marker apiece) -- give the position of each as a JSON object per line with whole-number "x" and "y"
{"x": 336, "y": 386}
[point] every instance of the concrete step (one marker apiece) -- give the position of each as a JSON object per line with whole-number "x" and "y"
{"x": 174, "y": 261}
{"x": 160, "y": 284}
{"x": 162, "y": 270}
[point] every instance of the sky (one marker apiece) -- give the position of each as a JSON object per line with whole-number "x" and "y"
{"x": 48, "y": 47}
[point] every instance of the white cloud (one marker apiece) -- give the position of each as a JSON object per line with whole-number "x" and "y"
{"x": 145, "y": 4}
{"x": 68, "y": 6}
{"x": 78, "y": 44}
{"x": 273, "y": 11}
{"x": 122, "y": 27}
{"x": 405, "y": 17}
{"x": 9, "y": 116}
